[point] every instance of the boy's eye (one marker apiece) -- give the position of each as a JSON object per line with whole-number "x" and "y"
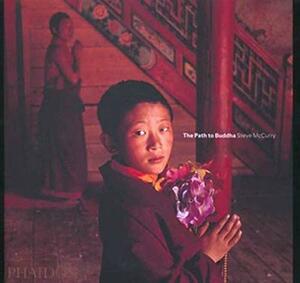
{"x": 140, "y": 133}
{"x": 164, "y": 129}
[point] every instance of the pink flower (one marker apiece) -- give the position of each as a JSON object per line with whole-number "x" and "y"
{"x": 194, "y": 192}
{"x": 100, "y": 12}
{"x": 177, "y": 174}
{"x": 125, "y": 38}
{"x": 115, "y": 27}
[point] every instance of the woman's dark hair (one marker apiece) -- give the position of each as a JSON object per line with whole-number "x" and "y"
{"x": 56, "y": 19}
{"x": 122, "y": 97}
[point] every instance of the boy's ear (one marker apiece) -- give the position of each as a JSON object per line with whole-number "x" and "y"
{"x": 108, "y": 143}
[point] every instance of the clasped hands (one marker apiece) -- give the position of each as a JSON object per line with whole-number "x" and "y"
{"x": 216, "y": 241}
{"x": 77, "y": 49}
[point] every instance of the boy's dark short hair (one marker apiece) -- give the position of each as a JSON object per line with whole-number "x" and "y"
{"x": 55, "y": 21}
{"x": 122, "y": 97}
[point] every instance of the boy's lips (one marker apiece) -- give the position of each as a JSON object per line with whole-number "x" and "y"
{"x": 156, "y": 159}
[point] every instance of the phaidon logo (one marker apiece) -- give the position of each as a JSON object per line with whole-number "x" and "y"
{"x": 27, "y": 272}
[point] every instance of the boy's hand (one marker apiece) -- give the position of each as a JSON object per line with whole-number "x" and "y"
{"x": 77, "y": 49}
{"x": 218, "y": 241}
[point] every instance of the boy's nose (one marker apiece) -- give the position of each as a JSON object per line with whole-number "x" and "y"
{"x": 154, "y": 141}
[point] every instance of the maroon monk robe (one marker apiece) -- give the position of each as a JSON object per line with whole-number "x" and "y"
{"x": 142, "y": 239}
{"x": 62, "y": 143}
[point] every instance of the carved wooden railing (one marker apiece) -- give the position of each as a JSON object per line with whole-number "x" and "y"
{"x": 147, "y": 42}
{"x": 257, "y": 104}
{"x": 161, "y": 38}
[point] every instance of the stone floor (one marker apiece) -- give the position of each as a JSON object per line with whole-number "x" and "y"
{"x": 50, "y": 242}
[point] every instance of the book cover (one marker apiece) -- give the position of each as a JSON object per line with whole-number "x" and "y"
{"x": 226, "y": 69}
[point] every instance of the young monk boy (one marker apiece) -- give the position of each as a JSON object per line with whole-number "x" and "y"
{"x": 142, "y": 239}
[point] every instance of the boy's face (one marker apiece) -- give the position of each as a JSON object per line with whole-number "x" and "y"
{"x": 146, "y": 137}
{"x": 65, "y": 29}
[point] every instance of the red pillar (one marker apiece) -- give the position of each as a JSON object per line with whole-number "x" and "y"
{"x": 214, "y": 91}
